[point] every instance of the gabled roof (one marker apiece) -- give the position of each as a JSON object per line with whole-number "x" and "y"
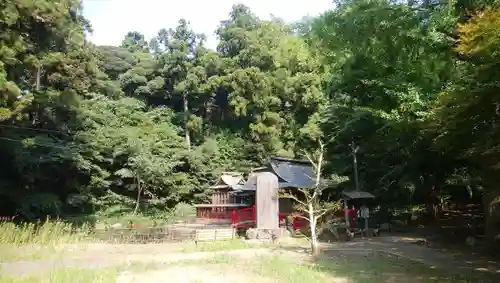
{"x": 295, "y": 173}
{"x": 229, "y": 180}
{"x": 291, "y": 173}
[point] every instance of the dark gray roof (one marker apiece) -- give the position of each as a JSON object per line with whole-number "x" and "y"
{"x": 294, "y": 173}
{"x": 357, "y": 195}
{"x": 291, "y": 173}
{"x": 250, "y": 184}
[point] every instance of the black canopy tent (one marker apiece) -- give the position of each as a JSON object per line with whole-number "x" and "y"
{"x": 356, "y": 198}
{"x": 356, "y": 195}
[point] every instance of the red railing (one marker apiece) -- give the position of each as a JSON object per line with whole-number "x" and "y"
{"x": 351, "y": 216}
{"x": 297, "y": 222}
{"x": 244, "y": 218}
{"x": 247, "y": 217}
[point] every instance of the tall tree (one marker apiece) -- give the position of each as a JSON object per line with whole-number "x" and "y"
{"x": 387, "y": 63}
{"x": 467, "y": 114}
{"x": 134, "y": 42}
{"x": 179, "y": 70}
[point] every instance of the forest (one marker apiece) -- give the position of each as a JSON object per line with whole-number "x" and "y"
{"x": 88, "y": 129}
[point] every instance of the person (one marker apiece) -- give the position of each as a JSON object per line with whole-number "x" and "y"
{"x": 365, "y": 214}
{"x": 364, "y": 211}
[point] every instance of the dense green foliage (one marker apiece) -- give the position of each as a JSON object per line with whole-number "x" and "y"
{"x": 84, "y": 127}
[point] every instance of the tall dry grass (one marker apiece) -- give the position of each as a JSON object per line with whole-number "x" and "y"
{"x": 43, "y": 233}
{"x": 33, "y": 240}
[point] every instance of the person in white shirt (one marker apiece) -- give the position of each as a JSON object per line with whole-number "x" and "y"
{"x": 364, "y": 212}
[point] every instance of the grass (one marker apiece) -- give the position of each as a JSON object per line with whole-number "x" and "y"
{"x": 44, "y": 241}
{"x": 49, "y": 240}
{"x": 355, "y": 268}
{"x": 352, "y": 269}
{"x": 52, "y": 241}
{"x": 215, "y": 246}
{"x": 44, "y": 233}
{"x": 108, "y": 275}
{"x": 221, "y": 259}
{"x": 283, "y": 270}
{"x": 344, "y": 268}
{"x": 35, "y": 241}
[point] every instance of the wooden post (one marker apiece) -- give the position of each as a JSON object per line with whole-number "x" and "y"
{"x": 267, "y": 201}
{"x": 233, "y": 217}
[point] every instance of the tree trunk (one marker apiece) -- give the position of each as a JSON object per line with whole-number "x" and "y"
{"x": 38, "y": 78}
{"x": 186, "y": 120}
{"x": 314, "y": 237}
{"x": 491, "y": 203}
{"x": 433, "y": 206}
{"x": 315, "y": 247}
{"x": 139, "y": 191}
{"x": 36, "y": 114}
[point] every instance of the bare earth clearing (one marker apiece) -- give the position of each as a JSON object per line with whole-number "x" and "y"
{"x": 383, "y": 259}
{"x": 189, "y": 274}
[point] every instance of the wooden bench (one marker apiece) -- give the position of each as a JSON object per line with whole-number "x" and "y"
{"x": 203, "y": 235}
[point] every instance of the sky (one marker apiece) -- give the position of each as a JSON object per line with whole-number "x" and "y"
{"x": 112, "y": 19}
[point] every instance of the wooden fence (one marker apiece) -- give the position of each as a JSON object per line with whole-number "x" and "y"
{"x": 150, "y": 235}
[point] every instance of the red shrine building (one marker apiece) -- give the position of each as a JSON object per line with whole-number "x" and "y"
{"x": 233, "y": 198}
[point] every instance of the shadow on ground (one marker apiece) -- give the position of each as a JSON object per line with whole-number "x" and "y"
{"x": 383, "y": 267}
{"x": 401, "y": 259}
{"x": 418, "y": 249}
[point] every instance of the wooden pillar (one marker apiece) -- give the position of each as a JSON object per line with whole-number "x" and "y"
{"x": 267, "y": 201}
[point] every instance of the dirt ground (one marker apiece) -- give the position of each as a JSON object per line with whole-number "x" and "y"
{"x": 416, "y": 249}
{"x": 102, "y": 256}
{"x": 191, "y": 274}
{"x": 171, "y": 265}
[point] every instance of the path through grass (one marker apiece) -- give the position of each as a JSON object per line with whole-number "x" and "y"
{"x": 42, "y": 245}
{"x": 285, "y": 267}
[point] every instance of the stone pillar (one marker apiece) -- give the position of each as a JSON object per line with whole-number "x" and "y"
{"x": 267, "y": 201}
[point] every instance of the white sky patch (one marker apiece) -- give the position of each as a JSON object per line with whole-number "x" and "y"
{"x": 112, "y": 19}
